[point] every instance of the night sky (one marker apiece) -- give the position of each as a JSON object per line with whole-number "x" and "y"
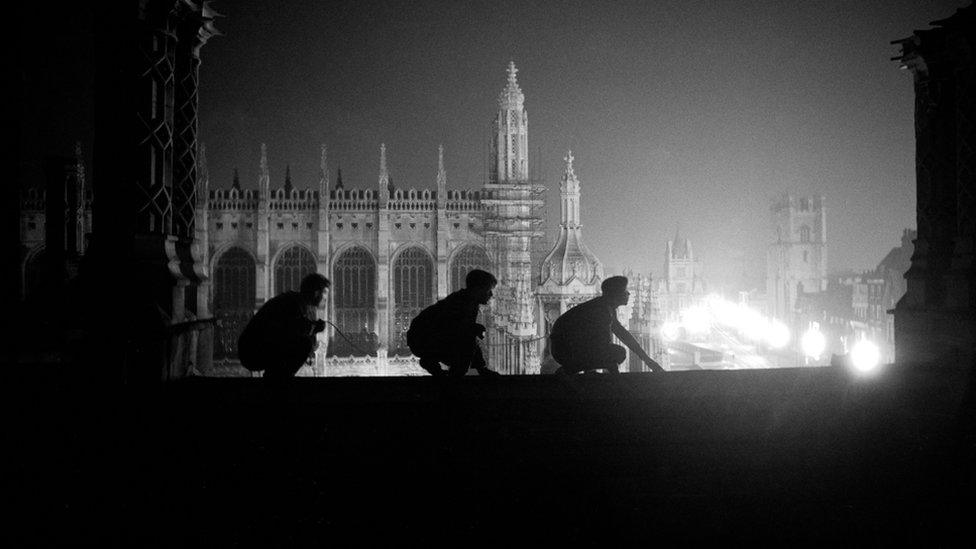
{"x": 685, "y": 113}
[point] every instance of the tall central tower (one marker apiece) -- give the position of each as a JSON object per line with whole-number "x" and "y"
{"x": 513, "y": 228}
{"x": 510, "y": 143}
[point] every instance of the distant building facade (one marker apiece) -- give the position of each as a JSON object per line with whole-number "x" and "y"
{"x": 389, "y": 252}
{"x": 857, "y": 305}
{"x": 682, "y": 284}
{"x": 796, "y": 261}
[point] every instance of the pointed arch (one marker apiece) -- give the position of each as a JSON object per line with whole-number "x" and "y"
{"x": 234, "y": 298}
{"x": 464, "y": 260}
{"x": 413, "y": 290}
{"x": 354, "y": 300}
{"x": 291, "y": 266}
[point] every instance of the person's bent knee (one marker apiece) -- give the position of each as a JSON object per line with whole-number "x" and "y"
{"x": 617, "y": 354}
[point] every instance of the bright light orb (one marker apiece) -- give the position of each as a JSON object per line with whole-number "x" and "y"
{"x": 778, "y": 335}
{"x": 670, "y": 330}
{"x": 751, "y": 324}
{"x": 696, "y": 320}
{"x": 813, "y": 343}
{"x": 865, "y": 356}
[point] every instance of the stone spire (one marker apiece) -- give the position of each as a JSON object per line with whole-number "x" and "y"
{"x": 264, "y": 179}
{"x": 510, "y": 139}
{"x": 323, "y": 176}
{"x": 237, "y": 181}
{"x": 680, "y": 247}
{"x": 288, "y": 185}
{"x": 570, "y": 195}
{"x": 511, "y": 97}
{"x": 441, "y": 174}
{"x": 339, "y": 186}
{"x": 384, "y": 180}
{"x": 570, "y": 259}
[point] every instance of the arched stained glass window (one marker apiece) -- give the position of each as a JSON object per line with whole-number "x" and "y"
{"x": 413, "y": 290}
{"x": 468, "y": 259}
{"x": 292, "y": 266}
{"x": 354, "y": 297}
{"x": 234, "y": 295}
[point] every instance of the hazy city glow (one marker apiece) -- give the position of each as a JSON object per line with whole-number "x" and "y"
{"x": 813, "y": 342}
{"x": 865, "y": 356}
{"x": 715, "y": 311}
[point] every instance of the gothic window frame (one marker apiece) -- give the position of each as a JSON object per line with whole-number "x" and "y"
{"x": 407, "y": 304}
{"x": 233, "y": 316}
{"x": 351, "y": 317}
{"x": 296, "y": 272}
{"x": 462, "y": 263}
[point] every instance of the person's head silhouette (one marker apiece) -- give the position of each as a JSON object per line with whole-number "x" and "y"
{"x": 615, "y": 290}
{"x": 313, "y": 288}
{"x": 480, "y": 283}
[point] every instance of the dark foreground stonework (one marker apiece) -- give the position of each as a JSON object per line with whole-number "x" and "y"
{"x": 777, "y": 455}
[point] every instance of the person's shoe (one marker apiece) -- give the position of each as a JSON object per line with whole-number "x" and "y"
{"x": 432, "y": 366}
{"x": 488, "y": 373}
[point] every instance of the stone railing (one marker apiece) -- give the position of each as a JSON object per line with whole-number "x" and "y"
{"x": 413, "y": 200}
{"x": 373, "y": 366}
{"x": 352, "y": 200}
{"x": 233, "y": 199}
{"x": 464, "y": 200}
{"x": 296, "y": 200}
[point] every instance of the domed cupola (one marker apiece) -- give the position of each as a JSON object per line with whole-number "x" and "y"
{"x": 571, "y": 263}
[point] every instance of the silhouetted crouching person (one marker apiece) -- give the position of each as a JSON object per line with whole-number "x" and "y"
{"x": 281, "y": 336}
{"x": 581, "y": 337}
{"x": 447, "y": 332}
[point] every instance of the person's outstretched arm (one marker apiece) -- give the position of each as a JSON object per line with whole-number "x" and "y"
{"x": 628, "y": 339}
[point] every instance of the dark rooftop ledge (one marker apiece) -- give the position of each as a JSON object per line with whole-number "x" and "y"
{"x": 811, "y": 454}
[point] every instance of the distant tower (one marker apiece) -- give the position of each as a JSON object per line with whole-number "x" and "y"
{"x": 513, "y": 227}
{"x": 682, "y": 284}
{"x": 797, "y": 258}
{"x": 510, "y": 146}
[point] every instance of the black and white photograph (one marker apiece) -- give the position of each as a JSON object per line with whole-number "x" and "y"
{"x": 290, "y": 274}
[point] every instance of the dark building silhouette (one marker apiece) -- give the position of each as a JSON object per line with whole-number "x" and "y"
{"x": 936, "y": 319}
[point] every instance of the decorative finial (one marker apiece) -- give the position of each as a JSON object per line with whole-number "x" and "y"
{"x": 511, "y": 73}
{"x": 323, "y": 162}
{"x": 237, "y": 180}
{"x": 569, "y": 160}
{"x": 288, "y": 186}
{"x": 441, "y": 174}
{"x": 383, "y": 172}
{"x": 264, "y": 179}
{"x": 339, "y": 186}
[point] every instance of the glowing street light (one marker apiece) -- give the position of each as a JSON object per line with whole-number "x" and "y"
{"x": 696, "y": 320}
{"x": 778, "y": 335}
{"x": 670, "y": 330}
{"x": 865, "y": 356}
{"x": 813, "y": 342}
